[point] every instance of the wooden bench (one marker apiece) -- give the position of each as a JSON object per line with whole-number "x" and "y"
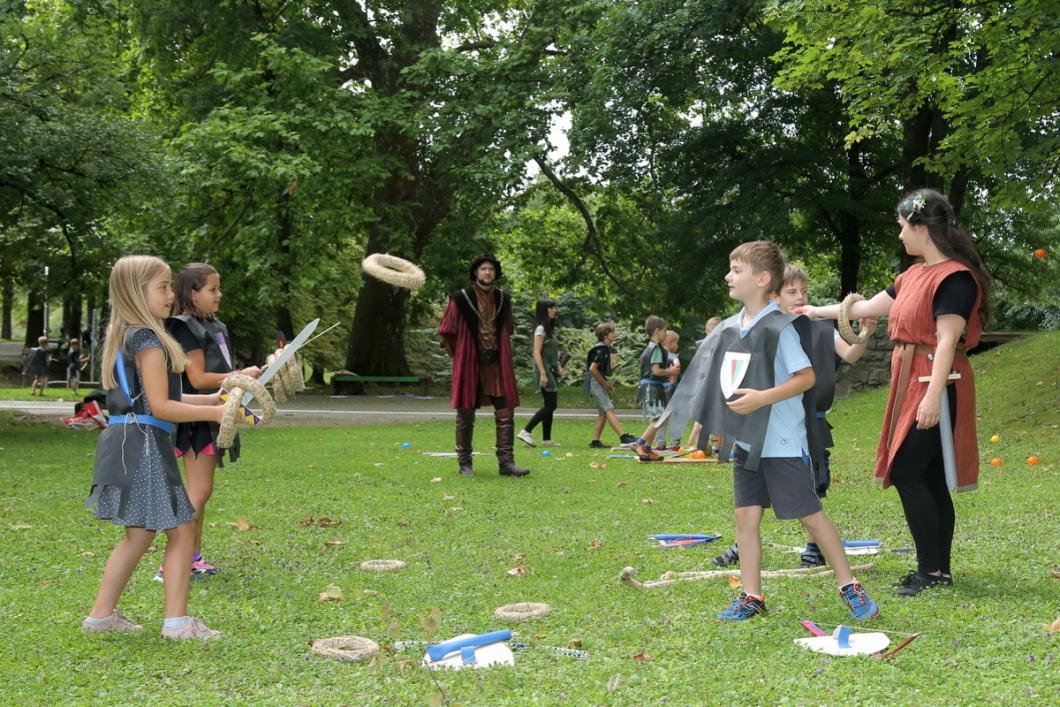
{"x": 353, "y": 384}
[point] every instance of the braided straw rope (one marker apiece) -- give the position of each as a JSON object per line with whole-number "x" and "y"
{"x": 288, "y": 379}
{"x": 348, "y": 649}
{"x": 237, "y": 384}
{"x": 845, "y": 329}
{"x": 521, "y": 611}
{"x": 394, "y": 271}
{"x": 382, "y": 565}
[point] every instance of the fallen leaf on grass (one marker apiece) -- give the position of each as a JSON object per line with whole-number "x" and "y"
{"x": 519, "y": 556}
{"x": 613, "y": 682}
{"x": 9, "y": 507}
{"x": 1054, "y": 627}
{"x": 647, "y": 501}
{"x": 1055, "y": 574}
{"x": 734, "y": 581}
{"x": 333, "y": 543}
{"x": 243, "y": 525}
{"x": 451, "y": 511}
{"x": 21, "y": 526}
{"x": 404, "y": 523}
{"x": 430, "y": 623}
{"x": 370, "y": 593}
{"x": 642, "y": 657}
{"x": 88, "y": 553}
{"x": 448, "y": 497}
{"x": 330, "y": 593}
{"x": 306, "y": 522}
{"x": 622, "y": 484}
{"x": 516, "y": 571}
{"x": 568, "y": 455}
{"x": 436, "y": 479}
{"x": 436, "y": 699}
{"x": 325, "y": 522}
{"x": 597, "y": 465}
{"x": 595, "y": 545}
{"x": 575, "y": 643}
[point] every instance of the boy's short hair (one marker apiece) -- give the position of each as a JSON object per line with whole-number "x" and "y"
{"x": 42, "y": 341}
{"x": 763, "y": 256}
{"x": 653, "y": 324}
{"x": 671, "y": 334}
{"x": 793, "y": 273}
{"x": 603, "y": 329}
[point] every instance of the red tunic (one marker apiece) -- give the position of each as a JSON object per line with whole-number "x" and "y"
{"x": 912, "y": 321}
{"x": 459, "y": 341}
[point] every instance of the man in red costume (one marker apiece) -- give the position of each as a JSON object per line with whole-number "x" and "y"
{"x": 476, "y": 330}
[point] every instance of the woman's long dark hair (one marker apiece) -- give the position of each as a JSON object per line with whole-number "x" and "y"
{"x": 541, "y": 317}
{"x": 927, "y": 207}
{"x": 192, "y": 277}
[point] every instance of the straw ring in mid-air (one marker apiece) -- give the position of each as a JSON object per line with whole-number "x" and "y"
{"x": 394, "y": 271}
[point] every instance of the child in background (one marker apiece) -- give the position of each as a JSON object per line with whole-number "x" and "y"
{"x": 75, "y": 359}
{"x": 599, "y": 363}
{"x": 136, "y": 482}
{"x": 651, "y": 392}
{"x": 37, "y": 365}
{"x": 671, "y": 344}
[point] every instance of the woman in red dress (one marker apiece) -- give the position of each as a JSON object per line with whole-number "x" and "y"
{"x": 936, "y": 309}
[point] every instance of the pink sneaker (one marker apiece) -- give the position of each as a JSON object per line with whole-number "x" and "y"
{"x": 201, "y": 566}
{"x": 193, "y": 629}
{"x": 115, "y": 622}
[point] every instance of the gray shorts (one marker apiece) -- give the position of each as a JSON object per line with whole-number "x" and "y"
{"x": 785, "y": 483}
{"x": 597, "y": 393}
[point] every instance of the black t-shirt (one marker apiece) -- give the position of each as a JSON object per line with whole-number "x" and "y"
{"x": 956, "y": 295}
{"x": 601, "y": 356}
{"x": 189, "y": 342}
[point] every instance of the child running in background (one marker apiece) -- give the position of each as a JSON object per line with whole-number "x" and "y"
{"x": 600, "y": 361}
{"x": 651, "y": 392}
{"x": 136, "y": 482}
{"x": 208, "y": 349}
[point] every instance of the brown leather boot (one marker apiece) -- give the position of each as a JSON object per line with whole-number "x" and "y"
{"x": 505, "y": 420}
{"x": 465, "y": 430}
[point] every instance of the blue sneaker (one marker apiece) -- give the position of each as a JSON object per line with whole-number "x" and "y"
{"x": 861, "y": 605}
{"x": 743, "y": 607}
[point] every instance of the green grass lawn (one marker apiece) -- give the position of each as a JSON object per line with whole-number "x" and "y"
{"x": 574, "y": 528}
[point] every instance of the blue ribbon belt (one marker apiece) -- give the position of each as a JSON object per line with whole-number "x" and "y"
{"x": 134, "y": 419}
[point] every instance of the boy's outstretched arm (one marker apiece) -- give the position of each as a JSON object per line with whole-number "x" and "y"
{"x": 752, "y": 399}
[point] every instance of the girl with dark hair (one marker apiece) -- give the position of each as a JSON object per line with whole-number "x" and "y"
{"x": 936, "y": 309}
{"x": 546, "y": 371}
{"x": 204, "y": 338}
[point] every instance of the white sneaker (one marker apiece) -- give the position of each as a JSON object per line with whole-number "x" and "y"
{"x": 195, "y": 628}
{"x": 549, "y": 443}
{"x": 526, "y": 437}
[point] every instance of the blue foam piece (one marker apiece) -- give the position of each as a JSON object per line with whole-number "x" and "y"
{"x": 861, "y": 543}
{"x": 843, "y": 637}
{"x": 467, "y": 654}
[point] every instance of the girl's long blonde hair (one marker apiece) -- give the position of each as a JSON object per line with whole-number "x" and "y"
{"x": 128, "y": 310}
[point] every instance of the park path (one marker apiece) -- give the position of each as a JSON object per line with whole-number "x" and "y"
{"x": 328, "y": 411}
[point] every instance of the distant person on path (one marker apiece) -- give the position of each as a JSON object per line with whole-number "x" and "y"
{"x": 37, "y": 366}
{"x": 476, "y": 331}
{"x": 936, "y": 311}
{"x": 547, "y": 371}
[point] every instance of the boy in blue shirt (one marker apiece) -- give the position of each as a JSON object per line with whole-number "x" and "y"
{"x": 764, "y": 373}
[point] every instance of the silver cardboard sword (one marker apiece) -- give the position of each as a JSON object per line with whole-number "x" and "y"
{"x": 288, "y": 351}
{"x": 949, "y": 457}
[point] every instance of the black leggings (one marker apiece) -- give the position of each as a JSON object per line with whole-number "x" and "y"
{"x": 544, "y": 415}
{"x": 920, "y": 478}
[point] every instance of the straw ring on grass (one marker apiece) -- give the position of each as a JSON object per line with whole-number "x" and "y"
{"x": 394, "y": 271}
{"x": 521, "y": 611}
{"x": 348, "y": 649}
{"x": 237, "y": 384}
{"x": 382, "y": 565}
{"x": 845, "y": 329}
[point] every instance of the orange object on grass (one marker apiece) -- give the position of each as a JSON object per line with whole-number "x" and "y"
{"x": 995, "y": 462}
{"x": 1032, "y": 460}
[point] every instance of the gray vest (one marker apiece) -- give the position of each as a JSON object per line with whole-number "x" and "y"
{"x": 216, "y": 349}
{"x": 710, "y": 408}
{"x": 121, "y": 447}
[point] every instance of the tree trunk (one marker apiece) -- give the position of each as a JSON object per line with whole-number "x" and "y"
{"x": 72, "y": 316}
{"x": 34, "y": 316}
{"x": 915, "y": 144}
{"x": 8, "y": 303}
{"x": 377, "y": 337}
{"x": 284, "y": 234}
{"x": 850, "y": 224}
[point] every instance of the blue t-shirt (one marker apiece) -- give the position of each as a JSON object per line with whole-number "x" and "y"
{"x": 786, "y": 433}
